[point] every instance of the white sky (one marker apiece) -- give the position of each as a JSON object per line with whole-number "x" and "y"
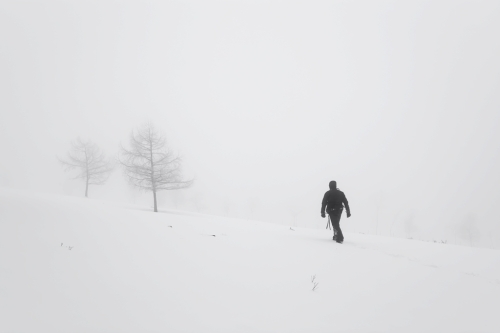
{"x": 267, "y": 101}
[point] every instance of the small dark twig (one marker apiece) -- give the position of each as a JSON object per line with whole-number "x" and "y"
{"x": 313, "y": 281}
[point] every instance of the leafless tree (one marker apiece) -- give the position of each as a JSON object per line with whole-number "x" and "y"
{"x": 150, "y": 164}
{"x": 90, "y": 162}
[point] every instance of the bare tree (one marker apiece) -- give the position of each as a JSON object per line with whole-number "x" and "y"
{"x": 90, "y": 162}
{"x": 150, "y": 164}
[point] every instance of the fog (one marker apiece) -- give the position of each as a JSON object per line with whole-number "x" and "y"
{"x": 267, "y": 101}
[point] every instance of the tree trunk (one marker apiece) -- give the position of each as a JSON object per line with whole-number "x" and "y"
{"x": 153, "y": 185}
{"x": 154, "y": 195}
{"x": 87, "y": 173}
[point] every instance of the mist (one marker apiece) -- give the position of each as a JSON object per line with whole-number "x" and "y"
{"x": 268, "y": 101}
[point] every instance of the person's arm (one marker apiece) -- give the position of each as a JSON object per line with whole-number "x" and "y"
{"x": 323, "y": 205}
{"x": 346, "y": 205}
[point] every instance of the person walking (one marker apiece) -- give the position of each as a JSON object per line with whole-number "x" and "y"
{"x": 334, "y": 202}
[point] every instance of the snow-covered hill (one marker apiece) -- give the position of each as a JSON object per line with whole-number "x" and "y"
{"x": 79, "y": 265}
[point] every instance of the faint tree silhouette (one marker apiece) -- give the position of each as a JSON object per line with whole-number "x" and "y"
{"x": 410, "y": 225}
{"x": 379, "y": 202}
{"x": 227, "y": 207}
{"x": 394, "y": 222}
{"x": 149, "y": 163}
{"x": 468, "y": 229}
{"x": 253, "y": 206}
{"x": 91, "y": 163}
{"x": 294, "y": 211}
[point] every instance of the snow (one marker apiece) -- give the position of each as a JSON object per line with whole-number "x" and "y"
{"x": 80, "y": 265}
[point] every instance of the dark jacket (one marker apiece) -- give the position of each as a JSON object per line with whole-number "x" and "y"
{"x": 334, "y": 199}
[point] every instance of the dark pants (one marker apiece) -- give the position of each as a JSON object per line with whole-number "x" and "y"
{"x": 335, "y": 215}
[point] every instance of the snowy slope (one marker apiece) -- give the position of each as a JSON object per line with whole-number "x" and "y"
{"x": 79, "y": 265}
